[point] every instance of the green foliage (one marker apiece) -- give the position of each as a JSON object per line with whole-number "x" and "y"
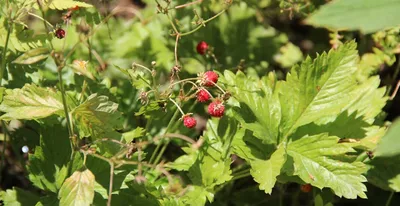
{"x": 366, "y": 15}
{"x": 387, "y": 146}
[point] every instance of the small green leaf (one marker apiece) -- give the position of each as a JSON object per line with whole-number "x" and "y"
{"x": 32, "y": 56}
{"x": 319, "y": 160}
{"x": 31, "y": 102}
{"x": 265, "y": 172}
{"x": 131, "y": 135}
{"x": 78, "y": 189}
{"x": 385, "y": 173}
{"x": 66, "y": 4}
{"x": 18, "y": 197}
{"x": 389, "y": 144}
{"x": 97, "y": 116}
{"x": 366, "y": 15}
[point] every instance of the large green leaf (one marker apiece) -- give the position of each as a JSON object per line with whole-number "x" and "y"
{"x": 31, "y": 102}
{"x": 366, "y": 15}
{"x": 389, "y": 144}
{"x": 96, "y": 116}
{"x": 265, "y": 172}
{"x": 65, "y": 4}
{"x": 321, "y": 89}
{"x": 78, "y": 189}
{"x": 320, "y": 160}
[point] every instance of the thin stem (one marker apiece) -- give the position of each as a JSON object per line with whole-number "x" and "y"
{"x": 39, "y": 17}
{"x": 141, "y": 66}
{"x": 166, "y": 144}
{"x": 179, "y": 136}
{"x": 173, "y": 25}
{"x": 184, "y": 80}
{"x": 4, "y": 60}
{"x": 395, "y": 74}
{"x": 64, "y": 101}
{"x": 389, "y": 200}
{"x": 240, "y": 176}
{"x": 177, "y": 106}
{"x": 203, "y": 24}
{"x": 110, "y": 187}
{"x": 3, "y": 156}
{"x": 176, "y": 49}
{"x": 188, "y": 4}
{"x": 45, "y": 25}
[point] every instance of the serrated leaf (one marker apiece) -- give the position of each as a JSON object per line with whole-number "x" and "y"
{"x": 366, "y": 15}
{"x": 131, "y": 135}
{"x": 32, "y": 56}
{"x": 265, "y": 172}
{"x": 259, "y": 105}
{"x": 31, "y": 102}
{"x": 66, "y": 4}
{"x": 319, "y": 160}
{"x": 78, "y": 189}
{"x": 96, "y": 116}
{"x": 18, "y": 197}
{"x": 389, "y": 144}
{"x": 197, "y": 196}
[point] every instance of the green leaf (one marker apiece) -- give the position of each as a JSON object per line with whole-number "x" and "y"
{"x": 265, "y": 172}
{"x": 18, "y": 197}
{"x": 131, "y": 135}
{"x": 48, "y": 166}
{"x": 319, "y": 160}
{"x": 385, "y": 173}
{"x": 78, "y": 189}
{"x": 197, "y": 196}
{"x": 259, "y": 109}
{"x": 66, "y": 4}
{"x": 96, "y": 116}
{"x": 184, "y": 162}
{"x": 32, "y": 56}
{"x": 389, "y": 144}
{"x": 366, "y": 15}
{"x": 319, "y": 90}
{"x": 31, "y": 102}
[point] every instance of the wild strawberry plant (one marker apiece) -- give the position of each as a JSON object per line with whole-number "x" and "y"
{"x": 193, "y": 103}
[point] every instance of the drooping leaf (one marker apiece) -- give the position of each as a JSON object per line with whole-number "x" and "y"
{"x": 131, "y": 135}
{"x": 389, "y": 144}
{"x": 78, "y": 189}
{"x": 319, "y": 160}
{"x": 65, "y": 4}
{"x": 265, "y": 172}
{"x": 366, "y": 15}
{"x": 96, "y": 116}
{"x": 31, "y": 102}
{"x": 32, "y": 56}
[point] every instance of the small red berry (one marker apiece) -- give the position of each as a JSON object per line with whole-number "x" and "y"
{"x": 189, "y": 122}
{"x": 202, "y": 95}
{"x": 60, "y": 33}
{"x": 210, "y": 78}
{"x": 306, "y": 188}
{"x": 202, "y": 47}
{"x": 216, "y": 108}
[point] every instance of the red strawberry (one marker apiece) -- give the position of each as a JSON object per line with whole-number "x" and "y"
{"x": 189, "y": 122}
{"x": 202, "y": 47}
{"x": 306, "y": 188}
{"x": 216, "y": 108}
{"x": 202, "y": 95}
{"x": 60, "y": 33}
{"x": 210, "y": 78}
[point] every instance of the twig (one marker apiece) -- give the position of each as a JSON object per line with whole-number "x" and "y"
{"x": 110, "y": 187}
{"x": 396, "y": 89}
{"x": 188, "y": 4}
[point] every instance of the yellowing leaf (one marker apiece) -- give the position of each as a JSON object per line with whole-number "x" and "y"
{"x": 31, "y": 102}
{"x": 78, "y": 189}
{"x": 33, "y": 56}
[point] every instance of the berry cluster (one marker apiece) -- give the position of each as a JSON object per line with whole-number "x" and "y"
{"x": 216, "y": 108}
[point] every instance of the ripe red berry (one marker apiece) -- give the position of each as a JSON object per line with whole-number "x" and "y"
{"x": 210, "y": 78}
{"x": 202, "y": 47}
{"x": 216, "y": 108}
{"x": 202, "y": 95}
{"x": 306, "y": 188}
{"x": 60, "y": 33}
{"x": 189, "y": 122}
